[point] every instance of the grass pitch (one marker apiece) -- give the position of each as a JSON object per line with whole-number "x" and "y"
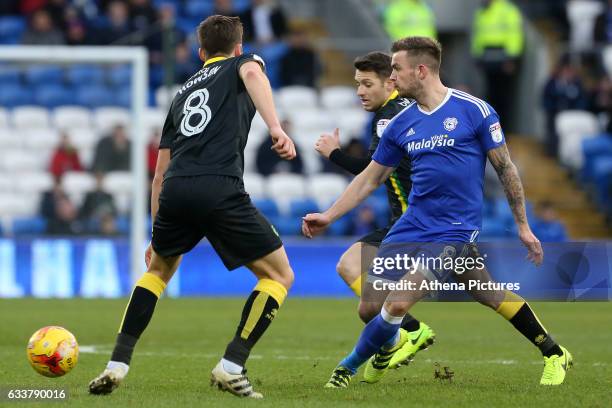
{"x": 494, "y": 366}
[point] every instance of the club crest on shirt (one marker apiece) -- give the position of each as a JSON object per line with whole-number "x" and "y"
{"x": 496, "y": 132}
{"x": 381, "y": 126}
{"x": 450, "y": 124}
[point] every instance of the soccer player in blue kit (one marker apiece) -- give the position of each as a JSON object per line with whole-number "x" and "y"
{"x": 448, "y": 136}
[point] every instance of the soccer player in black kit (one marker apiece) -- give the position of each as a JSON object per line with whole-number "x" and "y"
{"x": 378, "y": 95}
{"x": 200, "y": 164}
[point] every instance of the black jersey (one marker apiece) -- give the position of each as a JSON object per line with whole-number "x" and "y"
{"x": 209, "y": 119}
{"x": 398, "y": 184}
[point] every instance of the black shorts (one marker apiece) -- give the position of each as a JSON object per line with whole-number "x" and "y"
{"x": 375, "y": 237}
{"x": 215, "y": 207}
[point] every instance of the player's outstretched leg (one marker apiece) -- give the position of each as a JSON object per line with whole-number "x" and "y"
{"x": 557, "y": 360}
{"x": 350, "y": 268}
{"x": 137, "y": 316}
{"x": 275, "y": 278}
{"x": 381, "y": 334}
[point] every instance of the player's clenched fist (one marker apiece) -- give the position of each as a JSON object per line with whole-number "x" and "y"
{"x": 328, "y": 143}
{"x": 315, "y": 224}
{"x": 282, "y": 144}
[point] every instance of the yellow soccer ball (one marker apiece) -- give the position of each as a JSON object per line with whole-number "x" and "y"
{"x": 53, "y": 351}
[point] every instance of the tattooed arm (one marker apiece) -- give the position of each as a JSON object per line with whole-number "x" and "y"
{"x": 509, "y": 177}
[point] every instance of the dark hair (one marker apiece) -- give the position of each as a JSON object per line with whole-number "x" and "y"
{"x": 219, "y": 34}
{"x": 429, "y": 51}
{"x": 377, "y": 62}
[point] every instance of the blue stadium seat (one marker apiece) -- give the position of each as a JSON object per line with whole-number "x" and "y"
{"x": 9, "y": 75}
{"x": 299, "y": 208}
{"x": 198, "y": 9}
{"x": 187, "y": 25}
{"x": 15, "y": 95}
{"x": 44, "y": 75}
{"x": 52, "y": 96}
{"x": 241, "y": 5}
{"x": 29, "y": 226}
{"x": 85, "y": 74}
{"x": 272, "y": 54}
{"x": 502, "y": 210}
{"x": 380, "y": 206}
{"x": 287, "y": 225}
{"x": 593, "y": 148}
{"x": 267, "y": 207}
{"x": 123, "y": 97}
{"x": 494, "y": 227}
{"x": 120, "y": 75}
{"x": 341, "y": 227}
{"x": 94, "y": 96}
{"x": 602, "y": 175}
{"x": 123, "y": 225}
{"x": 11, "y": 29}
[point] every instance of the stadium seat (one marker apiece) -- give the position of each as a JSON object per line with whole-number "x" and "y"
{"x": 18, "y": 205}
{"x": 16, "y": 161}
{"x": 78, "y": 183}
{"x": 83, "y": 138}
{"x": 287, "y": 225}
{"x": 29, "y": 226}
{"x": 602, "y": 175}
{"x": 311, "y": 160}
{"x": 607, "y": 59}
{"x": 341, "y": 227}
{"x": 296, "y": 97}
{"x": 285, "y": 187}
{"x": 120, "y": 75}
{"x": 593, "y": 148}
{"x": 71, "y": 117}
{"x": 325, "y": 188}
{"x": 4, "y": 118}
{"x": 267, "y": 207}
{"x": 106, "y": 118}
{"x": 10, "y": 139}
{"x": 493, "y": 227}
{"x": 581, "y": 15}
{"x": 306, "y": 119}
{"x": 30, "y": 117}
{"x": 154, "y": 119}
{"x": 9, "y": 75}
{"x": 338, "y": 97}
{"x": 198, "y": 8}
{"x": 118, "y": 182}
{"x": 44, "y": 75}
{"x": 34, "y": 182}
{"x": 94, "y": 96}
{"x": 7, "y": 183}
{"x": 299, "y": 208}
{"x": 52, "y": 96}
{"x": 573, "y": 127}
{"x": 11, "y": 29}
{"x": 350, "y": 121}
{"x": 164, "y": 95}
{"x": 254, "y": 185}
{"x": 40, "y": 139}
{"x": 15, "y": 95}
{"x": 123, "y": 97}
{"x": 85, "y": 74}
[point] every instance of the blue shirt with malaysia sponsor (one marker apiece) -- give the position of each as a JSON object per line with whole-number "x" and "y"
{"x": 448, "y": 151}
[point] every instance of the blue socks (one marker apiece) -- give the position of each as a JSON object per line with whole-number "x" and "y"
{"x": 380, "y": 331}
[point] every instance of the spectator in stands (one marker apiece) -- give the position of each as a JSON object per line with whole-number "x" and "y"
{"x": 152, "y": 150}
{"x": 547, "y": 227}
{"x": 497, "y": 45}
{"x": 9, "y": 8}
{"x": 98, "y": 211}
{"x": 184, "y": 64}
{"x": 264, "y": 22}
{"x": 224, "y": 8}
{"x": 563, "y": 91}
{"x": 112, "y": 152}
{"x": 42, "y": 31}
{"x": 57, "y": 11}
{"x": 118, "y": 29}
{"x": 364, "y": 221}
{"x": 65, "y": 158}
{"x": 142, "y": 14}
{"x": 59, "y": 212}
{"x": 300, "y": 65}
{"x": 603, "y": 26}
{"x": 407, "y": 18}
{"x": 601, "y": 99}
{"x": 268, "y": 162}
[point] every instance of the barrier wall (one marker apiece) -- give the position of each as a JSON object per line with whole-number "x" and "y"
{"x": 100, "y": 268}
